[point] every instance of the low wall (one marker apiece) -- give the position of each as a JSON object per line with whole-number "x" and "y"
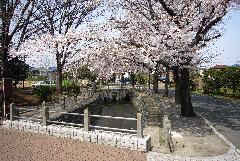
{"x": 116, "y": 139}
{"x": 151, "y": 106}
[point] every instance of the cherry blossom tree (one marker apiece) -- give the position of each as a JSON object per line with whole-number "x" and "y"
{"x": 173, "y": 32}
{"x": 60, "y": 22}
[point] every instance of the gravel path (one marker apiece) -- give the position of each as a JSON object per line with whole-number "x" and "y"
{"x": 23, "y": 146}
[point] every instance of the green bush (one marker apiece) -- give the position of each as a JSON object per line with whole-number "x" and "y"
{"x": 44, "y": 92}
{"x": 141, "y": 78}
{"x": 71, "y": 87}
{"x": 222, "y": 82}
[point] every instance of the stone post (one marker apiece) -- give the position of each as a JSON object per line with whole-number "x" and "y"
{"x": 167, "y": 133}
{"x": 101, "y": 83}
{"x": 139, "y": 125}
{"x": 45, "y": 114}
{"x": 12, "y": 112}
{"x": 75, "y": 98}
{"x": 86, "y": 120}
{"x": 63, "y": 102}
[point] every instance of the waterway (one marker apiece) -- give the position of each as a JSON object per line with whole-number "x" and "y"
{"x": 122, "y": 108}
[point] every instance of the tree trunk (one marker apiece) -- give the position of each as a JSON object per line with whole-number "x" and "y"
{"x": 177, "y": 85}
{"x": 155, "y": 79}
{"x": 149, "y": 79}
{"x": 23, "y": 84}
{"x": 185, "y": 94}
{"x": 59, "y": 80}
{"x": 4, "y": 61}
{"x": 166, "y": 91}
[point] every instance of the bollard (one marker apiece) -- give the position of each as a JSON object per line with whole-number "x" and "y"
{"x": 12, "y": 112}
{"x": 86, "y": 120}
{"x": 167, "y": 133}
{"x": 63, "y": 102}
{"x": 45, "y": 114}
{"x": 75, "y": 98}
{"x": 139, "y": 126}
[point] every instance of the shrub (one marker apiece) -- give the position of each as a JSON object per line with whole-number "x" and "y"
{"x": 44, "y": 92}
{"x": 221, "y": 81}
{"x": 71, "y": 87}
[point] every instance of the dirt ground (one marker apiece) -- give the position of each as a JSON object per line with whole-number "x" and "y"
{"x": 191, "y": 137}
{"x": 22, "y": 146}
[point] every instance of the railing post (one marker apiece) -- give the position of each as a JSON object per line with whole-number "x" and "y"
{"x": 63, "y": 102}
{"x": 75, "y": 98}
{"x": 45, "y": 114}
{"x": 12, "y": 112}
{"x": 167, "y": 132}
{"x": 139, "y": 125}
{"x": 86, "y": 120}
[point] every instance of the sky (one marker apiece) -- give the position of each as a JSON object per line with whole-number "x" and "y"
{"x": 228, "y": 46}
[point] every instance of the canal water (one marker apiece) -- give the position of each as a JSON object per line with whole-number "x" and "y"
{"x": 118, "y": 109}
{"x": 122, "y": 108}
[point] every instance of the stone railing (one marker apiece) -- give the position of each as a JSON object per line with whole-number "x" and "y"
{"x": 46, "y": 126}
{"x": 116, "y": 139}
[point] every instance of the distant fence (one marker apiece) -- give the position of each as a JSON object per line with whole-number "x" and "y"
{"x": 45, "y": 119}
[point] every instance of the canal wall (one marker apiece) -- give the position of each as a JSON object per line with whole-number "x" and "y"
{"x": 152, "y": 106}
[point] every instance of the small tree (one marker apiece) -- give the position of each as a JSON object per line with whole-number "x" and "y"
{"x": 18, "y": 70}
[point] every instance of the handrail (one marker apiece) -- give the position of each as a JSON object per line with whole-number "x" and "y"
{"x": 110, "y": 128}
{"x": 65, "y": 123}
{"x": 29, "y": 109}
{"x": 112, "y": 117}
{"x": 27, "y": 118}
{"x": 67, "y": 113}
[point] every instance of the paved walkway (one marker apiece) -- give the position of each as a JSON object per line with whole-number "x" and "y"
{"x": 22, "y": 146}
{"x": 224, "y": 115}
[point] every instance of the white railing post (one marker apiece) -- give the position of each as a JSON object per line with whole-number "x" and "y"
{"x": 139, "y": 125}
{"x": 45, "y": 114}
{"x": 86, "y": 120}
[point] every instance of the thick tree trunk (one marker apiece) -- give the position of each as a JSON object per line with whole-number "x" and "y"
{"x": 155, "y": 79}
{"x": 185, "y": 94}
{"x": 59, "y": 80}
{"x": 133, "y": 82}
{"x": 166, "y": 91}
{"x": 177, "y": 85}
{"x": 4, "y": 65}
{"x": 4, "y": 59}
